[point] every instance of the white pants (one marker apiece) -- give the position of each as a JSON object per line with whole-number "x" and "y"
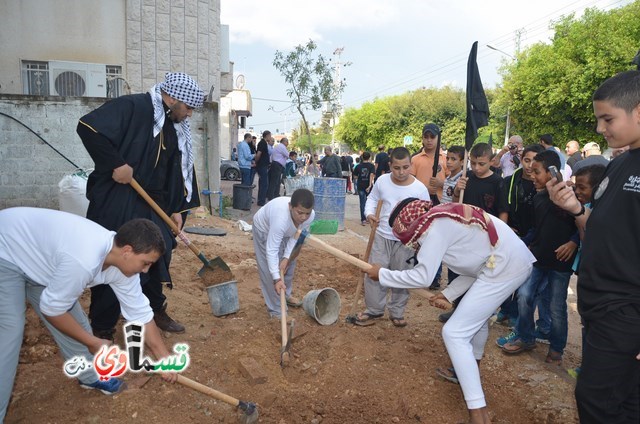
{"x": 466, "y": 332}
{"x": 271, "y": 298}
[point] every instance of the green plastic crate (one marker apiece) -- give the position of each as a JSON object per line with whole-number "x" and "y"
{"x": 324, "y": 226}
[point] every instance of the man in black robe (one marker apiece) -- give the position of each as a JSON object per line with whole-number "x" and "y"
{"x": 146, "y": 137}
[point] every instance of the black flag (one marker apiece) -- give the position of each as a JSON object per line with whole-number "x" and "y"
{"x": 477, "y": 105}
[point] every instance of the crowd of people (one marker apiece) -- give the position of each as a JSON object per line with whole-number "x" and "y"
{"x": 511, "y": 227}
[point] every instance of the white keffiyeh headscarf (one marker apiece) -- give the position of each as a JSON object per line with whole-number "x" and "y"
{"x": 183, "y": 88}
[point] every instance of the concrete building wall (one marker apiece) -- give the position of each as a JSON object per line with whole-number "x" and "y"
{"x": 146, "y": 37}
{"x": 30, "y": 170}
{"x": 91, "y": 31}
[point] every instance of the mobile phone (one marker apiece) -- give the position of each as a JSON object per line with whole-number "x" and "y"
{"x": 555, "y": 173}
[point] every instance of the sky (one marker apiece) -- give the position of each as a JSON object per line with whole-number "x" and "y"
{"x": 393, "y": 46}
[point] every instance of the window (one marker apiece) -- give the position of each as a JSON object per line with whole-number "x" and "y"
{"x": 35, "y": 78}
{"x": 115, "y": 83}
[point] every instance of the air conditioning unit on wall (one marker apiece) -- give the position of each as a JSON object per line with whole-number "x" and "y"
{"x": 77, "y": 79}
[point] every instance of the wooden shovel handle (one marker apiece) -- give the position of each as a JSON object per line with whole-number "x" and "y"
{"x": 138, "y": 188}
{"x": 207, "y": 390}
{"x": 337, "y": 253}
{"x": 283, "y": 313}
{"x": 372, "y": 235}
{"x": 164, "y": 216}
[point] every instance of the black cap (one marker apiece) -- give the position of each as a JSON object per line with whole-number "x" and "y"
{"x": 432, "y": 128}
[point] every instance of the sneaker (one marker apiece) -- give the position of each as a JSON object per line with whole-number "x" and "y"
{"x": 574, "y": 372}
{"x": 166, "y": 323}
{"x": 109, "y": 387}
{"x": 501, "y": 317}
{"x": 364, "y": 222}
{"x": 541, "y": 337}
{"x": 444, "y": 317}
{"x": 518, "y": 346}
{"x": 501, "y": 341}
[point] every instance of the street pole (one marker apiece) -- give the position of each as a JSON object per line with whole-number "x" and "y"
{"x": 508, "y": 123}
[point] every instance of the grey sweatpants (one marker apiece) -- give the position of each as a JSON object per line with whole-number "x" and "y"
{"x": 271, "y": 298}
{"x": 392, "y": 255}
{"x": 15, "y": 288}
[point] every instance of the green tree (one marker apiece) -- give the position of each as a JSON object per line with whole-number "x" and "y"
{"x": 310, "y": 80}
{"x": 388, "y": 120}
{"x": 549, "y": 88}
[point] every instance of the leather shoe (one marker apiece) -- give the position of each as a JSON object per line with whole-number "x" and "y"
{"x": 166, "y": 323}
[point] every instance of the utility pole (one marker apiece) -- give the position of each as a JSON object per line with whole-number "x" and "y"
{"x": 336, "y": 103}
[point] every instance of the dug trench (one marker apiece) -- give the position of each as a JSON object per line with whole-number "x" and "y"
{"x": 337, "y": 374}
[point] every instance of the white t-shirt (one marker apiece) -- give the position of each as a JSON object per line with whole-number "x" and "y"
{"x": 275, "y": 220}
{"x": 65, "y": 253}
{"x": 390, "y": 193}
{"x": 465, "y": 250}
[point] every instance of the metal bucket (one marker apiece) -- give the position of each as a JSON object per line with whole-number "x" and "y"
{"x": 323, "y": 305}
{"x": 223, "y": 298}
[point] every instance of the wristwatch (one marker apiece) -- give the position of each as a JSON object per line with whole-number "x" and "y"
{"x": 582, "y": 211}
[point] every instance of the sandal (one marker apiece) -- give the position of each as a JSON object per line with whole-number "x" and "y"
{"x": 448, "y": 374}
{"x": 398, "y": 322}
{"x": 365, "y": 318}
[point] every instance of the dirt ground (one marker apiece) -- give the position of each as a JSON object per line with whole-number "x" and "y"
{"x": 337, "y": 374}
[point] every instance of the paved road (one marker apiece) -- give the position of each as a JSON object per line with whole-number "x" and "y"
{"x": 351, "y": 219}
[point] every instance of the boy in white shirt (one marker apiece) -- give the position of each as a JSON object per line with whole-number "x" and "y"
{"x": 49, "y": 258}
{"x": 274, "y": 226}
{"x": 387, "y": 249}
{"x": 491, "y": 262}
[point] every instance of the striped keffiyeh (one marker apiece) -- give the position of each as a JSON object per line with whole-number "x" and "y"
{"x": 183, "y": 88}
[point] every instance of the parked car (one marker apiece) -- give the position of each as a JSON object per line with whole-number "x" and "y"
{"x": 229, "y": 170}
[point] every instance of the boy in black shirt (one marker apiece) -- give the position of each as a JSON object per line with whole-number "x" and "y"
{"x": 364, "y": 172}
{"x": 609, "y": 289}
{"x": 482, "y": 187}
{"x": 555, "y": 251}
{"x": 516, "y": 210}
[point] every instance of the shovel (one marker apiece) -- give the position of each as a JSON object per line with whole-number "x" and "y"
{"x": 209, "y": 265}
{"x": 286, "y": 338}
{"x": 351, "y": 318}
{"x": 248, "y": 410}
{"x": 303, "y": 236}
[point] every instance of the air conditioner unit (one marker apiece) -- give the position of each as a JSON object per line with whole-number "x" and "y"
{"x": 77, "y": 79}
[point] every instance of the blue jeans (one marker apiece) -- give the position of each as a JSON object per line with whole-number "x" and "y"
{"x": 362, "y": 195}
{"x": 246, "y": 176}
{"x": 558, "y": 283}
{"x": 263, "y": 185}
{"x": 543, "y": 303}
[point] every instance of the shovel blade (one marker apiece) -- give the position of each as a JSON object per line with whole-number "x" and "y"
{"x": 215, "y": 264}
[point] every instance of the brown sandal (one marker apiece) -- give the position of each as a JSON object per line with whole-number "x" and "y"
{"x": 398, "y": 322}
{"x": 365, "y": 319}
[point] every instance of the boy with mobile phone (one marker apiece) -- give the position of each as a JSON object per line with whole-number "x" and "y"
{"x": 554, "y": 251}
